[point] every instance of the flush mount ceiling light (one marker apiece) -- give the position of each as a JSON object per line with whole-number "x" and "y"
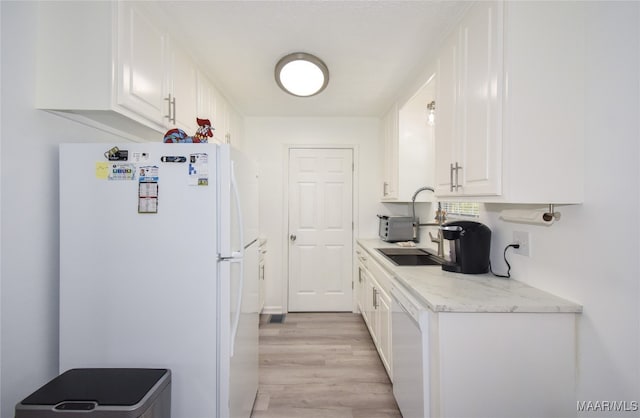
{"x": 301, "y": 74}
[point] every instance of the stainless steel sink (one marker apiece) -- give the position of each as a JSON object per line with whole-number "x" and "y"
{"x": 411, "y": 257}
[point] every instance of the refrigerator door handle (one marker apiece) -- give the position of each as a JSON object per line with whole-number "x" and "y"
{"x": 238, "y": 258}
{"x": 236, "y": 197}
{"x": 236, "y": 319}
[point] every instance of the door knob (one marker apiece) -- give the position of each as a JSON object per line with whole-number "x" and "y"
{"x": 292, "y": 237}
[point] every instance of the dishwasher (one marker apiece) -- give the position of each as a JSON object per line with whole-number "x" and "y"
{"x": 410, "y": 350}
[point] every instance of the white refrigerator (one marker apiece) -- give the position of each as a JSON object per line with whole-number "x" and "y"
{"x": 159, "y": 268}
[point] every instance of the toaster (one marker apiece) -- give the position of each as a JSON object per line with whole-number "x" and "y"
{"x": 395, "y": 228}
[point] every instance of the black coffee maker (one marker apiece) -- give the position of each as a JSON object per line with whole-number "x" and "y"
{"x": 469, "y": 247}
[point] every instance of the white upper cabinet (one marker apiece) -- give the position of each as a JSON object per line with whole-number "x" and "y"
{"x": 141, "y": 66}
{"x": 183, "y": 84}
{"x": 408, "y": 156}
{"x": 123, "y": 72}
{"x": 206, "y": 97}
{"x": 212, "y": 105}
{"x": 156, "y": 78}
{"x": 234, "y": 127}
{"x": 468, "y": 132}
{"x": 222, "y": 121}
{"x": 544, "y": 102}
{"x": 510, "y": 104}
{"x": 446, "y": 123}
{"x": 389, "y": 187}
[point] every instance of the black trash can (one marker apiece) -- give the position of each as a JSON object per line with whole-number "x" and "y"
{"x": 101, "y": 393}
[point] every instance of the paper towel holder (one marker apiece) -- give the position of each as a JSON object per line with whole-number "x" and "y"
{"x": 551, "y": 214}
{"x": 545, "y": 217}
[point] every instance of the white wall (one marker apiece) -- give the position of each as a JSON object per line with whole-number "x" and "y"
{"x": 29, "y": 214}
{"x": 265, "y": 140}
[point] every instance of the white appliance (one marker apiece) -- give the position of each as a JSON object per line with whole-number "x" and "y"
{"x": 159, "y": 268}
{"x": 409, "y": 339}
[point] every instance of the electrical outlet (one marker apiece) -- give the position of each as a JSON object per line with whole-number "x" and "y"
{"x": 522, "y": 238}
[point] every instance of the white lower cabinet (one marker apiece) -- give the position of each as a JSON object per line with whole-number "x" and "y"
{"x": 449, "y": 356}
{"x": 480, "y": 364}
{"x": 502, "y": 365}
{"x": 381, "y": 313}
{"x": 261, "y": 274}
{"x": 374, "y": 301}
{"x": 361, "y": 283}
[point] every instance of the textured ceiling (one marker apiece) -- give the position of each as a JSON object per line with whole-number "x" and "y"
{"x": 373, "y": 49}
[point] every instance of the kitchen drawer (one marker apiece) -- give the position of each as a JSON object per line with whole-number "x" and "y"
{"x": 382, "y": 276}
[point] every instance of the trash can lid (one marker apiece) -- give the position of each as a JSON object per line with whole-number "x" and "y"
{"x": 116, "y": 387}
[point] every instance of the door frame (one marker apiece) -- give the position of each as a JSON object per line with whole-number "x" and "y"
{"x": 285, "y": 220}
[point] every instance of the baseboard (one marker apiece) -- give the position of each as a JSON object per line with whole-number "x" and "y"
{"x": 272, "y": 310}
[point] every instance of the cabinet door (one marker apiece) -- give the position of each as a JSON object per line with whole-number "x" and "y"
{"x": 446, "y": 113}
{"x": 141, "y": 65}
{"x": 210, "y": 105}
{"x": 261, "y": 278}
{"x": 234, "y": 127}
{"x": 183, "y": 88}
{"x": 369, "y": 306}
{"x": 221, "y": 119}
{"x": 480, "y": 151}
{"x": 361, "y": 255}
{"x": 205, "y": 105}
{"x": 390, "y": 155}
{"x": 469, "y": 105}
{"x": 361, "y": 290}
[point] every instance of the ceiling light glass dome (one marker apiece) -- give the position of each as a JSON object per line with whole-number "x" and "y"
{"x": 301, "y": 74}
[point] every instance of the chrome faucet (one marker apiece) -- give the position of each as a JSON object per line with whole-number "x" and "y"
{"x": 413, "y": 210}
{"x": 440, "y": 218}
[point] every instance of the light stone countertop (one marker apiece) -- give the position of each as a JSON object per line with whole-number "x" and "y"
{"x": 442, "y": 291}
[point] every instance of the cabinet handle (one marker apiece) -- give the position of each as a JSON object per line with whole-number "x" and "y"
{"x": 454, "y": 185}
{"x": 375, "y": 298}
{"x": 171, "y": 113}
{"x": 385, "y": 185}
{"x": 451, "y": 177}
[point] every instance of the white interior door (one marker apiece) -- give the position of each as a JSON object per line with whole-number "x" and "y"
{"x": 320, "y": 229}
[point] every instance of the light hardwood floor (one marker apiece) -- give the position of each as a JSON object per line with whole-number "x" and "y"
{"x": 321, "y": 365}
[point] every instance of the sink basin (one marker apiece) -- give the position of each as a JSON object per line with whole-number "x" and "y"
{"x": 410, "y": 257}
